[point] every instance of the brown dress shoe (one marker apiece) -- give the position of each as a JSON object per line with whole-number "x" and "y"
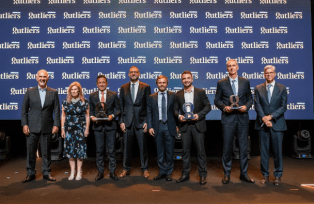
{"x": 145, "y": 174}
{"x": 265, "y": 180}
{"x": 124, "y": 173}
{"x": 277, "y": 181}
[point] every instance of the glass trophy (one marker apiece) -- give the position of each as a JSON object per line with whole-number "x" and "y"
{"x": 188, "y": 109}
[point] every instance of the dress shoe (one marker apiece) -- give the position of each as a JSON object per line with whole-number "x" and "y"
{"x": 124, "y": 173}
{"x": 277, "y": 181}
{"x": 169, "y": 177}
{"x": 113, "y": 176}
{"x": 160, "y": 176}
{"x": 247, "y": 179}
{"x": 49, "y": 178}
{"x": 226, "y": 179}
{"x": 145, "y": 174}
{"x": 71, "y": 177}
{"x": 99, "y": 176}
{"x": 183, "y": 178}
{"x": 79, "y": 175}
{"x": 29, "y": 178}
{"x": 203, "y": 180}
{"x": 265, "y": 180}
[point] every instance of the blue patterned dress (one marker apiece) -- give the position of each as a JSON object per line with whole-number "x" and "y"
{"x": 74, "y": 127}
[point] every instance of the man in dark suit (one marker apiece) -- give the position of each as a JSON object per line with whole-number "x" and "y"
{"x": 40, "y": 104}
{"x": 234, "y": 121}
{"x": 104, "y": 129}
{"x": 194, "y": 128}
{"x": 161, "y": 125}
{"x": 270, "y": 101}
{"x": 133, "y": 100}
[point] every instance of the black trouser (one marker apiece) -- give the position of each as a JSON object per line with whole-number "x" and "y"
{"x": 45, "y": 146}
{"x": 198, "y": 138}
{"x": 110, "y": 148}
{"x": 128, "y": 142}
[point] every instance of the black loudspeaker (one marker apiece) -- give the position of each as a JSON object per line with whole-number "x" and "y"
{"x": 178, "y": 152}
{"x": 56, "y": 147}
{"x": 302, "y": 145}
{"x": 236, "y": 150}
{"x": 4, "y": 146}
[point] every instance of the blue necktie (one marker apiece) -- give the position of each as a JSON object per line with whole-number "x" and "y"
{"x": 268, "y": 92}
{"x": 234, "y": 88}
{"x": 133, "y": 92}
{"x": 163, "y": 108}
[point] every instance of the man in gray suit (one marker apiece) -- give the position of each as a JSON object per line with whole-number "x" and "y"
{"x": 162, "y": 126}
{"x": 40, "y": 104}
{"x": 133, "y": 100}
{"x": 270, "y": 101}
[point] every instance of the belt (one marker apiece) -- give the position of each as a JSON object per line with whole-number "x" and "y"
{"x": 162, "y": 121}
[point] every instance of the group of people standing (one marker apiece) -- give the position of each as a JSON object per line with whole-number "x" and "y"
{"x": 161, "y": 115}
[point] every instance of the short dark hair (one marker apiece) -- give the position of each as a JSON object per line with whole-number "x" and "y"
{"x": 101, "y": 76}
{"x": 162, "y": 76}
{"x": 187, "y": 72}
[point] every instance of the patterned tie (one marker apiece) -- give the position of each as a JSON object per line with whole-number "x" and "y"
{"x": 133, "y": 92}
{"x": 268, "y": 92}
{"x": 234, "y": 88}
{"x": 163, "y": 108}
{"x": 102, "y": 96}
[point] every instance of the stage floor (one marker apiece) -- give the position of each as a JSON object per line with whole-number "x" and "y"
{"x": 136, "y": 189}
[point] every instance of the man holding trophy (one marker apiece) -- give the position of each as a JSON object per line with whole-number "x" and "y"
{"x": 233, "y": 97}
{"x": 104, "y": 108}
{"x": 191, "y": 106}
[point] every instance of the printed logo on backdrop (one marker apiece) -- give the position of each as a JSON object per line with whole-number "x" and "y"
{"x": 274, "y": 30}
{"x": 203, "y": 1}
{"x": 290, "y": 75}
{"x": 60, "y": 60}
{"x": 132, "y": 1}
{"x": 102, "y": 29}
{"x": 15, "y": 91}
{"x": 96, "y": 1}
{"x": 224, "y": 45}
{"x": 114, "y": 75}
{"x": 174, "y": 75}
{"x": 10, "y": 45}
{"x": 63, "y": 30}
{"x": 174, "y": 29}
{"x": 24, "y": 30}
{"x": 61, "y": 2}
{"x": 290, "y": 45}
{"x": 9, "y": 15}
{"x": 238, "y": 1}
{"x": 26, "y": 1}
{"x": 76, "y": 45}
{"x": 255, "y": 45}
{"x": 76, "y": 75}
{"x": 9, "y": 106}
{"x": 77, "y": 15}
{"x": 210, "y": 90}
{"x": 225, "y": 14}
{"x": 132, "y": 60}
{"x": 30, "y": 75}
{"x": 190, "y": 14}
{"x": 42, "y": 15}
{"x": 138, "y": 29}
{"x": 25, "y": 60}
{"x": 167, "y": 1}
{"x": 150, "y": 75}
{"x": 296, "y": 106}
{"x": 152, "y": 45}
{"x": 168, "y": 60}
{"x": 41, "y": 45}
{"x": 273, "y": 1}
{"x": 238, "y": 30}
{"x": 256, "y": 15}
{"x": 275, "y": 60}
{"x": 204, "y": 60}
{"x": 11, "y": 75}
{"x": 96, "y": 60}
{"x": 184, "y": 45}
{"x": 117, "y": 45}
{"x": 242, "y": 60}
{"x": 209, "y": 29}
{"x": 154, "y": 14}
{"x": 254, "y": 75}
{"x": 112, "y": 14}
{"x": 289, "y": 15}
{"x": 217, "y": 75}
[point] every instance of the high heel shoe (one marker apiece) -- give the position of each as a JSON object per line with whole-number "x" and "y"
{"x": 71, "y": 177}
{"x": 79, "y": 175}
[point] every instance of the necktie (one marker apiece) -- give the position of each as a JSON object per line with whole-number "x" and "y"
{"x": 234, "y": 88}
{"x": 102, "y": 97}
{"x": 268, "y": 92}
{"x": 133, "y": 92}
{"x": 163, "y": 108}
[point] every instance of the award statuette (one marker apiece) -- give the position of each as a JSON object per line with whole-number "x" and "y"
{"x": 234, "y": 100}
{"x": 188, "y": 109}
{"x": 101, "y": 109}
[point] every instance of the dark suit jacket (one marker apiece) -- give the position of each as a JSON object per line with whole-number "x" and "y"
{"x": 136, "y": 110}
{"x": 277, "y": 106}
{"x": 113, "y": 107}
{"x": 222, "y": 99}
{"x": 201, "y": 107}
{"x": 153, "y": 113}
{"x": 40, "y": 119}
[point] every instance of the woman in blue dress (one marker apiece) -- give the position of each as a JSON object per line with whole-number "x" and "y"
{"x": 75, "y": 128}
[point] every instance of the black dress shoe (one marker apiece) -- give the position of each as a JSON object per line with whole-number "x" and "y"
{"x": 247, "y": 179}
{"x": 100, "y": 176}
{"x": 226, "y": 179}
{"x": 265, "y": 180}
{"x": 29, "y": 178}
{"x": 202, "y": 180}
{"x": 183, "y": 178}
{"x": 168, "y": 177}
{"x": 113, "y": 176}
{"x": 49, "y": 178}
{"x": 277, "y": 181}
{"x": 160, "y": 176}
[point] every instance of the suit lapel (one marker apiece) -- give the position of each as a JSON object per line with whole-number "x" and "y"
{"x": 275, "y": 92}
{"x": 168, "y": 99}
{"x": 97, "y": 97}
{"x": 48, "y": 93}
{"x": 128, "y": 92}
{"x": 140, "y": 86}
{"x": 229, "y": 86}
{"x": 37, "y": 96}
{"x": 240, "y": 85}
{"x": 155, "y": 102}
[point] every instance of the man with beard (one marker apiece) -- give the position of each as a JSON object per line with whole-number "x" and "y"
{"x": 194, "y": 128}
